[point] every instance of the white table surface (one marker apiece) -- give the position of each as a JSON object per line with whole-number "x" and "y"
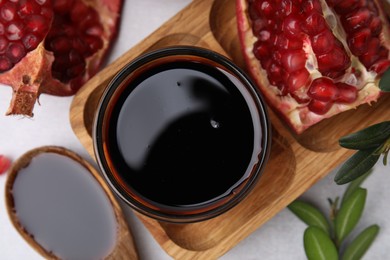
{"x": 279, "y": 238}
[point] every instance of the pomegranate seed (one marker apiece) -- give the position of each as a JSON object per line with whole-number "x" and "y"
{"x": 27, "y": 8}
{"x": 95, "y": 29}
{"x": 334, "y": 61}
{"x": 288, "y": 44}
{"x": 30, "y": 41}
{"x": 380, "y": 66}
{"x": 91, "y": 16}
{"x": 61, "y": 63}
{"x": 323, "y": 89}
{"x": 295, "y": 44}
{"x": 332, "y": 3}
{"x": 274, "y": 40}
{"x": 36, "y": 23}
{"x": 287, "y": 7}
{"x": 347, "y": 93}
{"x": 3, "y": 44}
{"x": 277, "y": 56}
{"x": 258, "y": 25}
{"x": 8, "y": 11}
{"x": 62, "y": 6}
{"x": 78, "y": 12}
{"x": 266, "y": 63}
{"x": 75, "y": 84}
{"x": 15, "y": 52}
{"x": 90, "y": 20}
{"x": 5, "y": 163}
{"x": 94, "y": 43}
{"x": 291, "y": 26}
{"x": 361, "y": 18}
{"x": 275, "y": 82}
{"x": 323, "y": 42}
{"x": 298, "y": 79}
{"x": 376, "y": 26}
{"x": 75, "y": 71}
{"x": 75, "y": 58}
{"x": 261, "y": 51}
{"x": 371, "y": 6}
{"x": 319, "y": 107}
{"x": 311, "y": 5}
{"x": 60, "y": 44}
{"x": 372, "y": 54}
{"x": 5, "y": 64}
{"x": 264, "y": 35}
{"x": 314, "y": 24}
{"x": 41, "y": 2}
{"x": 252, "y": 12}
{"x": 273, "y": 25}
{"x": 47, "y": 13}
{"x": 383, "y": 52}
{"x": 274, "y": 72}
{"x": 14, "y": 31}
{"x": 264, "y": 8}
{"x": 346, "y": 6}
{"x": 294, "y": 60}
{"x": 358, "y": 42}
{"x": 80, "y": 46}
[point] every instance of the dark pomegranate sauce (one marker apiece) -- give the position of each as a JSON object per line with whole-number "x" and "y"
{"x": 183, "y": 135}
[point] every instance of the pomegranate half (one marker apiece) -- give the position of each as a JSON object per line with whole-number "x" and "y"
{"x": 52, "y": 46}
{"x": 313, "y": 59}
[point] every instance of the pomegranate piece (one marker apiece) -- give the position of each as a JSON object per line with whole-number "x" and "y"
{"x": 53, "y": 46}
{"x": 313, "y": 59}
{"x": 5, "y": 163}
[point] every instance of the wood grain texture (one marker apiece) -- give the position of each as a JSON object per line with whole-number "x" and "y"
{"x": 295, "y": 164}
{"x": 124, "y": 247}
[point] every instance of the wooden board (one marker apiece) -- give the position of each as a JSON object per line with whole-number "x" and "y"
{"x": 296, "y": 162}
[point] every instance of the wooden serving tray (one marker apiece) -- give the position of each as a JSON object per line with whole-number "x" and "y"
{"x": 295, "y": 164}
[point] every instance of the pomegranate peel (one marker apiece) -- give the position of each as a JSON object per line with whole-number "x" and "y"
{"x": 65, "y": 43}
{"x": 337, "y": 42}
{"x": 26, "y": 83}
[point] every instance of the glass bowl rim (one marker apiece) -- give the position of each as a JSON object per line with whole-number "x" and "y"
{"x": 123, "y": 74}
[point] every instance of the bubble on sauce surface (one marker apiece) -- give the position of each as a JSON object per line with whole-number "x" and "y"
{"x": 215, "y": 124}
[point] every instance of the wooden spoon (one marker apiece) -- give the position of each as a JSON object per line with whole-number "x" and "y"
{"x": 124, "y": 245}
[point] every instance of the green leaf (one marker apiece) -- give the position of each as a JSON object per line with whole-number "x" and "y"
{"x": 354, "y": 185}
{"x": 370, "y": 137}
{"x": 359, "y": 246}
{"x": 310, "y": 215}
{"x": 384, "y": 83}
{"x": 360, "y": 163}
{"x": 318, "y": 245}
{"x": 349, "y": 214}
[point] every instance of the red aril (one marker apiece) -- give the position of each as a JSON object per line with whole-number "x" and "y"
{"x": 323, "y": 89}
{"x": 5, "y": 163}
{"x": 53, "y": 46}
{"x": 320, "y": 57}
{"x": 320, "y": 107}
